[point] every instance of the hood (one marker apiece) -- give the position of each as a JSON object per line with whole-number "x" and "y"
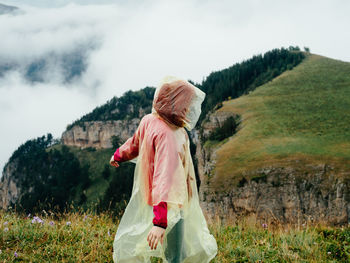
{"x": 178, "y": 102}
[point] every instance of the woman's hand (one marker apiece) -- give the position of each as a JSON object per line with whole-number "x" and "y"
{"x": 155, "y": 234}
{"x": 113, "y": 162}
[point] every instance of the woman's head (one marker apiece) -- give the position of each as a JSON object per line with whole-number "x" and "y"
{"x": 178, "y": 102}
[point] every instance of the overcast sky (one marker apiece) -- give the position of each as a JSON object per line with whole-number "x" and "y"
{"x": 133, "y": 44}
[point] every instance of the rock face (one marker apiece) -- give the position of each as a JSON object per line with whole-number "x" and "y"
{"x": 297, "y": 193}
{"x": 9, "y": 191}
{"x": 98, "y": 133}
{"x": 285, "y": 195}
{"x": 206, "y": 157}
{"x": 214, "y": 120}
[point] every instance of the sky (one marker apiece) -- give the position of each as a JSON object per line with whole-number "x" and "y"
{"x": 128, "y": 45}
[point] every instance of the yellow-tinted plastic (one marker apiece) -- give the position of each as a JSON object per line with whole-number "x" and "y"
{"x": 164, "y": 172}
{"x": 182, "y": 100}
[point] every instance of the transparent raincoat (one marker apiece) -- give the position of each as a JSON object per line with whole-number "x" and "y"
{"x": 164, "y": 172}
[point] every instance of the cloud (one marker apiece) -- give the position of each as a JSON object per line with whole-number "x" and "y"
{"x": 59, "y": 61}
{"x": 29, "y": 112}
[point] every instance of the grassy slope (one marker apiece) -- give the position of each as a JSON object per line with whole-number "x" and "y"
{"x": 304, "y": 115}
{"x": 89, "y": 238}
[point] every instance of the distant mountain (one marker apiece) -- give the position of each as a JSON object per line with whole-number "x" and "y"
{"x": 6, "y": 9}
{"x": 71, "y": 65}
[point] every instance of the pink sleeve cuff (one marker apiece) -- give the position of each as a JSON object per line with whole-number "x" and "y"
{"x": 117, "y": 156}
{"x": 160, "y": 215}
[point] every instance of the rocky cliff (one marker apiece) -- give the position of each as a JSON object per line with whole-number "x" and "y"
{"x": 296, "y": 193}
{"x": 98, "y": 133}
{"x": 206, "y": 155}
{"x": 285, "y": 195}
{"x": 9, "y": 190}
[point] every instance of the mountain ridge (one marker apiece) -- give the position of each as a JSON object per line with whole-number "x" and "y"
{"x": 288, "y": 160}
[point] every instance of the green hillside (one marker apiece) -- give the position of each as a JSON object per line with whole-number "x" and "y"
{"x": 300, "y": 117}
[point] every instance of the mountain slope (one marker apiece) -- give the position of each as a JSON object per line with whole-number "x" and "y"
{"x": 289, "y": 160}
{"x": 303, "y": 114}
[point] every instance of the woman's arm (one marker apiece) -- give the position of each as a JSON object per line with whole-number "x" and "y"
{"x": 130, "y": 149}
{"x": 117, "y": 156}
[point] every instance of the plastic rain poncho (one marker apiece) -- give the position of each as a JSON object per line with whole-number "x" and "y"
{"x": 164, "y": 172}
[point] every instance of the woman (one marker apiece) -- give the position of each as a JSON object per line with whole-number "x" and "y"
{"x": 164, "y": 204}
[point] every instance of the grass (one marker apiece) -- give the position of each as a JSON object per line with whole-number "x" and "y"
{"x": 85, "y": 239}
{"x": 89, "y": 238}
{"x": 301, "y": 115}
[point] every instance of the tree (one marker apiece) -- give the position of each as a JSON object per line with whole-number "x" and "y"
{"x": 106, "y": 172}
{"x": 116, "y": 141}
{"x": 227, "y": 129}
{"x": 306, "y": 49}
{"x": 48, "y": 178}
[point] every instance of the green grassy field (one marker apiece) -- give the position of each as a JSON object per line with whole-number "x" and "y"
{"x": 304, "y": 114}
{"x": 86, "y": 237}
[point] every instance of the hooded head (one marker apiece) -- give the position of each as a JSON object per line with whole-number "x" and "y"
{"x": 178, "y": 102}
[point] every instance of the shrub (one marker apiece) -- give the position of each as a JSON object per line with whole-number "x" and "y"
{"x": 227, "y": 129}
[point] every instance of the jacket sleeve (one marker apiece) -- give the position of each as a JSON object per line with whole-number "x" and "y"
{"x": 160, "y": 215}
{"x": 130, "y": 149}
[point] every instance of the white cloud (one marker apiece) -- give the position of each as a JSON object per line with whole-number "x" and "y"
{"x": 130, "y": 45}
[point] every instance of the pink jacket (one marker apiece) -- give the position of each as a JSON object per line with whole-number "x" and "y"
{"x": 160, "y": 167}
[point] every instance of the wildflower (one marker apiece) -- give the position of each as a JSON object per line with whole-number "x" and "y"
{"x": 85, "y": 217}
{"x": 37, "y": 219}
{"x": 68, "y": 223}
{"x": 16, "y": 255}
{"x": 29, "y": 215}
{"x": 6, "y": 229}
{"x": 5, "y": 223}
{"x": 51, "y": 223}
{"x": 264, "y": 225}
{"x": 109, "y": 233}
{"x": 329, "y": 252}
